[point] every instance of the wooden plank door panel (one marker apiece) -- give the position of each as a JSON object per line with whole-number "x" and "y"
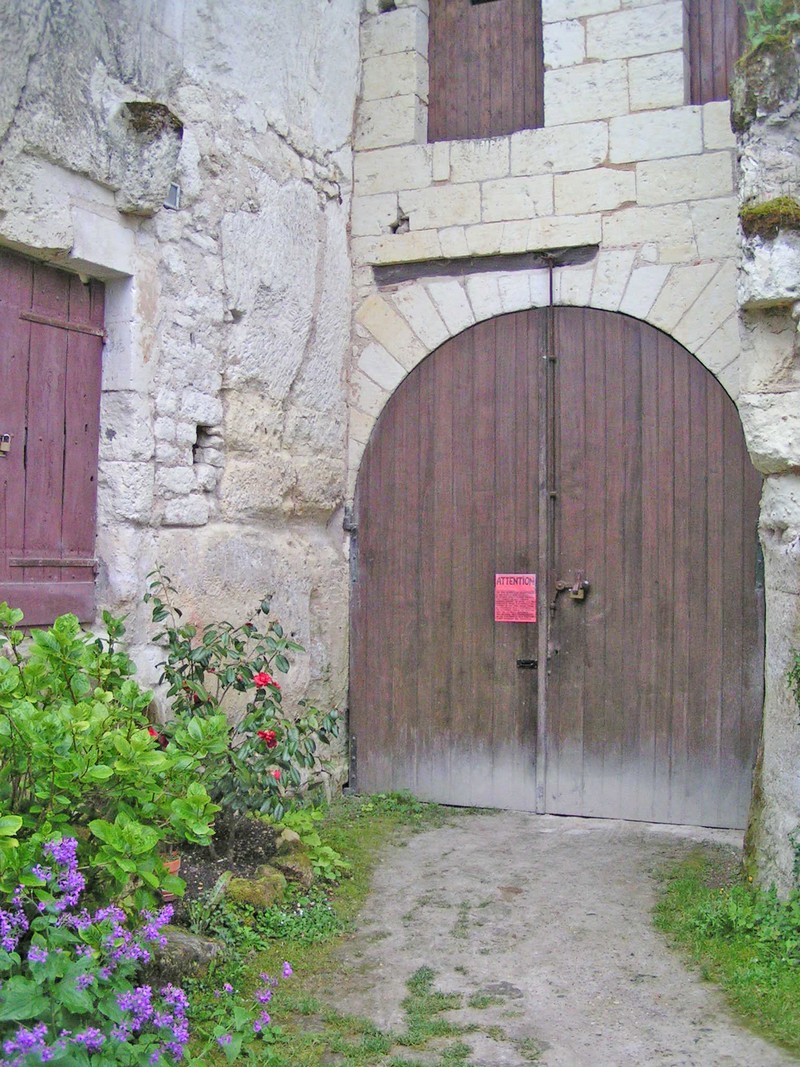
{"x": 437, "y": 702}
{"x": 50, "y": 359}
{"x": 654, "y": 680}
{"x": 650, "y": 713}
{"x": 486, "y": 68}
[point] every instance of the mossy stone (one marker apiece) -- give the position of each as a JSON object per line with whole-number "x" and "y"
{"x": 266, "y": 889}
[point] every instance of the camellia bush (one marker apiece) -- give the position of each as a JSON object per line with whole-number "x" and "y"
{"x": 262, "y": 756}
{"x": 78, "y": 757}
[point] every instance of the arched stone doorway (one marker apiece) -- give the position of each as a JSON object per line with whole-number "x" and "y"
{"x": 581, "y": 446}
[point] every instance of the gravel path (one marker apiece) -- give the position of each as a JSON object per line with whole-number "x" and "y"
{"x": 549, "y": 917}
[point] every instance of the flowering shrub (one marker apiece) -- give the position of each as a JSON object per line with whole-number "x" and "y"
{"x": 67, "y": 993}
{"x": 261, "y": 758}
{"x": 76, "y": 756}
{"x": 67, "y": 989}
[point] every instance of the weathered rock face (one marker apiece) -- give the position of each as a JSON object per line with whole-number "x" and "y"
{"x": 766, "y": 111}
{"x": 223, "y": 423}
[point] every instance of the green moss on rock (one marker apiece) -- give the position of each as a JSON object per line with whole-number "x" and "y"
{"x": 768, "y": 219}
{"x": 766, "y": 78}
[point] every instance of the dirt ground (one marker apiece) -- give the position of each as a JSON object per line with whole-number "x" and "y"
{"x": 549, "y": 919}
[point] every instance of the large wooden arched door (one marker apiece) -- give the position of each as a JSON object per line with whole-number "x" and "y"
{"x": 585, "y": 447}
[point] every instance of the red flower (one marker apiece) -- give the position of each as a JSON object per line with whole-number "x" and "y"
{"x": 269, "y": 737}
{"x": 262, "y": 680}
{"x": 161, "y": 738}
{"x": 276, "y": 774}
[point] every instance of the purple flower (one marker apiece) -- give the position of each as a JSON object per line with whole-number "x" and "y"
{"x": 287, "y": 970}
{"x": 91, "y": 1039}
{"x": 224, "y": 1039}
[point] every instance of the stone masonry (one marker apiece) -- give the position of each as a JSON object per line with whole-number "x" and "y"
{"x": 223, "y": 425}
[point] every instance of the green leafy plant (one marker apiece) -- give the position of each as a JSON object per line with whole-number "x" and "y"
{"x": 768, "y": 19}
{"x": 328, "y": 864}
{"x": 78, "y": 755}
{"x": 265, "y": 755}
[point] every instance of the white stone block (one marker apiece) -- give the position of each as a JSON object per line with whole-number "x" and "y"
{"x": 125, "y": 491}
{"x": 402, "y": 74}
{"x": 397, "y": 120}
{"x": 200, "y": 408}
{"x": 515, "y": 291}
{"x": 188, "y": 511}
{"x": 517, "y": 198}
{"x": 564, "y": 44}
{"x": 562, "y": 231}
{"x": 670, "y": 181}
{"x": 101, "y": 242}
{"x": 643, "y": 287}
{"x": 682, "y": 288}
{"x": 479, "y": 160}
{"x": 405, "y": 247}
{"x": 540, "y": 287}
{"x": 485, "y": 239}
{"x": 770, "y": 271}
{"x": 381, "y": 366}
{"x": 638, "y": 225}
{"x": 771, "y": 424}
{"x": 441, "y": 161}
{"x": 723, "y": 346}
{"x": 658, "y": 81}
{"x": 715, "y": 227}
{"x": 451, "y": 300}
{"x": 729, "y": 379}
{"x": 484, "y": 296}
{"x": 372, "y": 216}
{"x": 367, "y": 395}
{"x": 514, "y": 237}
{"x": 572, "y": 286}
{"x": 717, "y": 132}
{"x": 611, "y": 273}
{"x": 419, "y": 311}
{"x": 175, "y": 481}
{"x": 442, "y": 205}
{"x": 655, "y": 135}
{"x": 360, "y": 427}
{"x": 453, "y": 242}
{"x": 578, "y": 146}
{"x": 594, "y": 190}
{"x": 126, "y": 432}
{"x": 716, "y": 303}
{"x": 403, "y": 30}
{"x": 391, "y": 330}
{"x": 561, "y": 10}
{"x": 387, "y": 171}
{"x": 590, "y": 91}
{"x": 643, "y": 31}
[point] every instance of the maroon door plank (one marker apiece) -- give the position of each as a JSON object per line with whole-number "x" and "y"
{"x": 486, "y": 68}
{"x": 716, "y": 37}
{"x": 51, "y": 406}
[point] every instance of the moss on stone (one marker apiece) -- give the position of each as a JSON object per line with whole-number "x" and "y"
{"x": 766, "y": 77}
{"x": 768, "y": 219}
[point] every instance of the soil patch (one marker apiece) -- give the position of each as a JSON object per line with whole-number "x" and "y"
{"x": 240, "y": 845}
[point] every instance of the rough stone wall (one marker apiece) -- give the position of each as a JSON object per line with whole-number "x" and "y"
{"x": 223, "y": 427}
{"x": 767, "y": 117}
{"x": 622, "y": 163}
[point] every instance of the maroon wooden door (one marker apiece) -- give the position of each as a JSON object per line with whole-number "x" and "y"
{"x": 589, "y": 448}
{"x": 51, "y": 338}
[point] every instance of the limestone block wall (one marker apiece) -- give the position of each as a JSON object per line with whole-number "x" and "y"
{"x": 766, "y": 114}
{"x": 223, "y": 427}
{"x": 622, "y": 165}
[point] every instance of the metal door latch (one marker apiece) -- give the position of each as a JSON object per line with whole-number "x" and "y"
{"x": 527, "y": 664}
{"x": 5, "y": 443}
{"x": 577, "y": 589}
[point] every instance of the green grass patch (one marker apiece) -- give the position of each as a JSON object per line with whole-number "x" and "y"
{"x": 742, "y": 938}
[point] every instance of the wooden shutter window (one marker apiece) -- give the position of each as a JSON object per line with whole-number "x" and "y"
{"x": 716, "y": 33}
{"x": 486, "y": 68}
{"x": 51, "y": 343}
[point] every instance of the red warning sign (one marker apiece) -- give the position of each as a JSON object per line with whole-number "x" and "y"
{"x": 515, "y": 598}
